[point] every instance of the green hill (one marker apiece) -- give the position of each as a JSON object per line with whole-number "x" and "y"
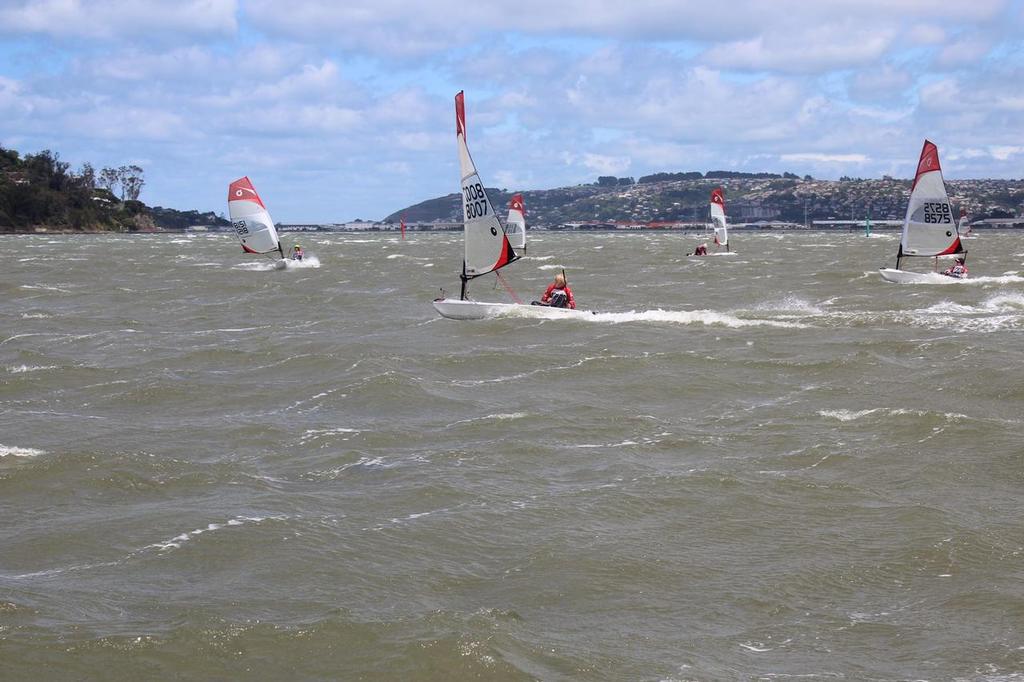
{"x": 750, "y": 197}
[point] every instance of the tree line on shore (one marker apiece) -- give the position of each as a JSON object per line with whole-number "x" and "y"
{"x": 42, "y": 191}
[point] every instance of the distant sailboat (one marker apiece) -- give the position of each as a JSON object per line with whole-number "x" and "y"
{"x": 929, "y": 230}
{"x": 718, "y": 218}
{"x": 487, "y": 247}
{"x": 717, "y": 229}
{"x": 515, "y": 224}
{"x": 252, "y": 221}
{"x": 969, "y": 232}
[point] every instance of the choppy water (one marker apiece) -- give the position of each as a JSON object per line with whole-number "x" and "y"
{"x": 763, "y": 466}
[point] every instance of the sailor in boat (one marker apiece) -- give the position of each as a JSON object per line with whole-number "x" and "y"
{"x": 701, "y": 250}
{"x": 959, "y": 269}
{"x": 558, "y": 294}
{"x": 297, "y": 253}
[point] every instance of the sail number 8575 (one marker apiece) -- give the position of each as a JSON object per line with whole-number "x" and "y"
{"x": 476, "y": 200}
{"x": 937, "y": 212}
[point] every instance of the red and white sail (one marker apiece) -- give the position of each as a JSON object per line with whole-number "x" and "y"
{"x": 487, "y": 246}
{"x": 718, "y": 217}
{"x": 962, "y": 227}
{"x": 515, "y": 224}
{"x": 250, "y": 218}
{"x": 929, "y": 228}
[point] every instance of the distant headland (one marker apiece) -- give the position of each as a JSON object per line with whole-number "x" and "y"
{"x": 40, "y": 193}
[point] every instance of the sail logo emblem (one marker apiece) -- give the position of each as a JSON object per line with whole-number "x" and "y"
{"x": 494, "y": 232}
{"x": 240, "y": 190}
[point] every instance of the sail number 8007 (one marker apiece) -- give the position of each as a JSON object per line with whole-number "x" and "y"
{"x": 476, "y": 200}
{"x": 937, "y": 212}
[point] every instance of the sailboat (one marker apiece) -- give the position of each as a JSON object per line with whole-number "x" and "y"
{"x": 929, "y": 230}
{"x": 487, "y": 248}
{"x": 969, "y": 232}
{"x": 717, "y": 228}
{"x": 515, "y": 224}
{"x": 718, "y": 218}
{"x": 252, "y": 222}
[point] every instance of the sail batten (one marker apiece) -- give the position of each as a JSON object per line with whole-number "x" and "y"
{"x": 250, "y": 218}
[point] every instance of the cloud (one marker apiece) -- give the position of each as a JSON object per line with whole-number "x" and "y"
{"x": 884, "y": 83}
{"x": 605, "y": 164}
{"x": 1003, "y": 153}
{"x": 136, "y": 20}
{"x": 819, "y": 158}
{"x": 967, "y": 49}
{"x": 313, "y": 97}
{"x": 811, "y": 49}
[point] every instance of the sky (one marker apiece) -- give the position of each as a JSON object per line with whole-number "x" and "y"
{"x": 344, "y": 110}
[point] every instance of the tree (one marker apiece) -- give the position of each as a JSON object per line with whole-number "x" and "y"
{"x": 132, "y": 181}
{"x": 86, "y": 176}
{"x": 109, "y": 179}
{"x": 607, "y": 180}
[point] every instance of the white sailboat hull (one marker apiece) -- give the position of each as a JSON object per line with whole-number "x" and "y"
{"x": 907, "y": 277}
{"x": 455, "y": 309}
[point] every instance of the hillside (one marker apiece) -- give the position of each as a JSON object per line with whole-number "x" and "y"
{"x": 40, "y": 192}
{"x": 750, "y": 197}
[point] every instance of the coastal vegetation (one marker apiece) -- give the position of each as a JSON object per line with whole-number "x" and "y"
{"x": 41, "y": 192}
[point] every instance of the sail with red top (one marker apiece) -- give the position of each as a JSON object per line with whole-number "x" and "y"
{"x": 515, "y": 224}
{"x": 929, "y": 228}
{"x": 962, "y": 227}
{"x": 487, "y": 247}
{"x": 718, "y": 217}
{"x": 250, "y": 218}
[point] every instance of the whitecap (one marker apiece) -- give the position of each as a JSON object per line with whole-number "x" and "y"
{"x": 21, "y": 369}
{"x": 14, "y": 451}
{"x": 178, "y": 540}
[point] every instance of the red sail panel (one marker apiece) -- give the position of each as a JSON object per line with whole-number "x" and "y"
{"x": 516, "y": 204}
{"x": 718, "y": 197}
{"x": 928, "y": 162}
{"x": 460, "y": 114}
{"x": 242, "y": 190}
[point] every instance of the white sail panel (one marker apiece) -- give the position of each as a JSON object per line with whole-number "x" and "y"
{"x": 929, "y": 228}
{"x": 487, "y": 247}
{"x": 718, "y": 217}
{"x": 250, "y": 218}
{"x": 515, "y": 225}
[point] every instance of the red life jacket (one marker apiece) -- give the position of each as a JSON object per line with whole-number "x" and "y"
{"x": 568, "y": 293}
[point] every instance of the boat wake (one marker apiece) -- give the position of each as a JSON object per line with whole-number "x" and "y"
{"x": 702, "y": 317}
{"x": 307, "y": 263}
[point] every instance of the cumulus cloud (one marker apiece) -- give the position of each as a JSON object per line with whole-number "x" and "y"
{"x": 131, "y": 19}
{"x": 817, "y": 157}
{"x": 316, "y": 96}
{"x": 883, "y": 83}
{"x": 811, "y": 49}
